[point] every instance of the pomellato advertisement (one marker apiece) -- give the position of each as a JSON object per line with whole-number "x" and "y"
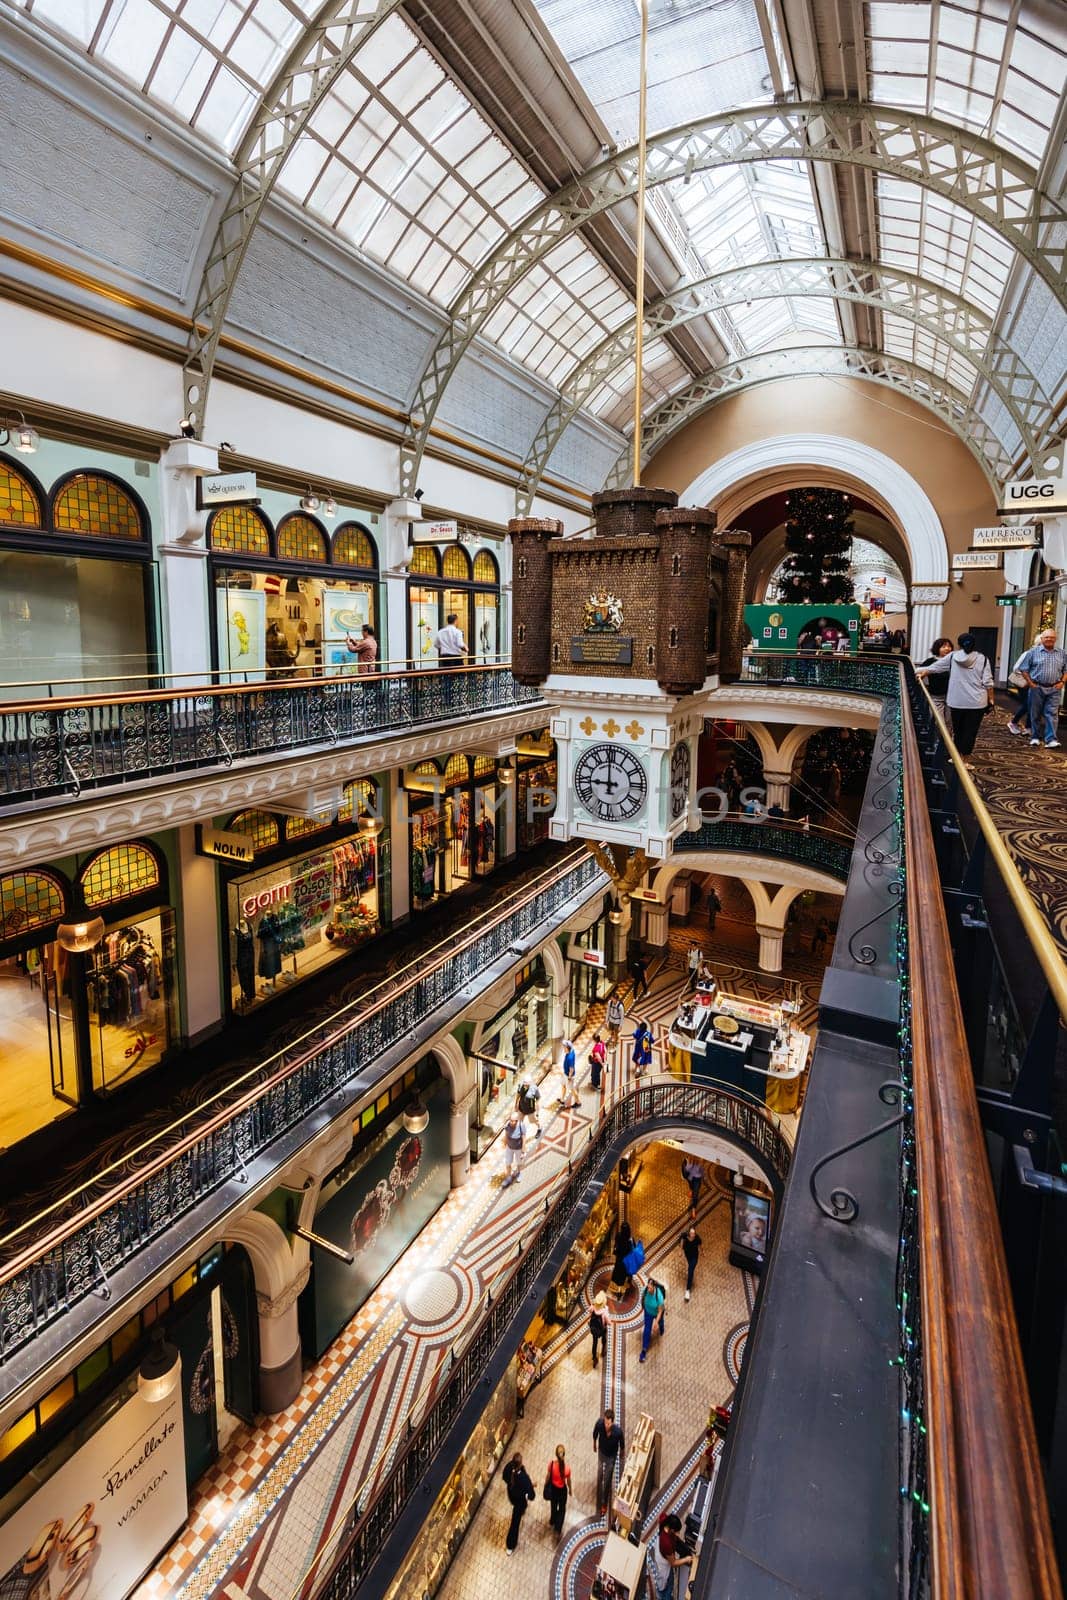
{"x": 90, "y": 1532}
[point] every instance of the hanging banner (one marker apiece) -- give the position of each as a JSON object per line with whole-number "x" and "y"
{"x": 1027, "y": 537}
{"x": 97, "y": 1525}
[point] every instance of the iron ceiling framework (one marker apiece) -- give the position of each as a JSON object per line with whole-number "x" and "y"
{"x": 958, "y": 323}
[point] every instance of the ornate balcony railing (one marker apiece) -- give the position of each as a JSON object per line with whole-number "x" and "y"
{"x": 69, "y": 1252}
{"x": 397, "y": 1472}
{"x": 861, "y": 674}
{"x": 820, "y": 848}
{"x": 64, "y": 747}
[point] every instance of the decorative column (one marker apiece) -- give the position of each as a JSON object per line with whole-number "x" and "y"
{"x": 770, "y": 947}
{"x": 280, "y": 1365}
{"x": 927, "y": 602}
{"x": 399, "y": 850}
{"x": 459, "y": 1141}
{"x": 779, "y": 788}
{"x": 182, "y": 556}
{"x": 657, "y": 924}
{"x": 396, "y": 555}
{"x": 199, "y": 937}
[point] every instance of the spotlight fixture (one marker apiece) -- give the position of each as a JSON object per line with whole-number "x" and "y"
{"x": 419, "y": 494}
{"x": 17, "y": 431}
{"x": 157, "y": 1376}
{"x": 416, "y": 1117}
{"x": 310, "y": 501}
{"x": 187, "y": 428}
{"x": 80, "y": 937}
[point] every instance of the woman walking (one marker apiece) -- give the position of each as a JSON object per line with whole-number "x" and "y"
{"x": 557, "y": 1483}
{"x": 970, "y": 690}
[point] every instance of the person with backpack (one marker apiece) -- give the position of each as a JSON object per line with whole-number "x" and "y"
{"x": 598, "y": 1060}
{"x": 514, "y": 1142}
{"x": 557, "y": 1487}
{"x": 654, "y": 1305}
{"x": 520, "y": 1493}
{"x": 527, "y": 1101}
{"x": 970, "y": 690}
{"x": 616, "y": 1016}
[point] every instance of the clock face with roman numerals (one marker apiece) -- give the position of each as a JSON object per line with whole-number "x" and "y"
{"x": 680, "y": 768}
{"x": 611, "y": 783}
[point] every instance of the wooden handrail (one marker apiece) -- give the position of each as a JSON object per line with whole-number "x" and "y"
{"x": 990, "y": 1533}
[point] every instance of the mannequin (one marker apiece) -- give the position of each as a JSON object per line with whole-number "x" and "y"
{"x": 244, "y": 958}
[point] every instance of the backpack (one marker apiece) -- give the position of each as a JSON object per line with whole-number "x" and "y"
{"x": 527, "y": 1101}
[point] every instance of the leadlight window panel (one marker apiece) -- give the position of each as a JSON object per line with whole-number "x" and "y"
{"x": 240, "y": 530}
{"x": 19, "y": 504}
{"x": 458, "y": 768}
{"x": 485, "y": 766}
{"x": 119, "y": 873}
{"x": 297, "y": 827}
{"x": 456, "y": 564}
{"x": 259, "y": 826}
{"x": 29, "y": 900}
{"x": 429, "y": 769}
{"x": 485, "y": 569}
{"x": 89, "y": 503}
{"x": 300, "y": 538}
{"x": 424, "y": 561}
{"x": 359, "y": 796}
{"x": 353, "y": 547}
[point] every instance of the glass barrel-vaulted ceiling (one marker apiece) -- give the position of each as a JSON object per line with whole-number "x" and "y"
{"x": 406, "y": 170}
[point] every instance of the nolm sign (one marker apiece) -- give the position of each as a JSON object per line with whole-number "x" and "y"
{"x": 227, "y": 846}
{"x": 1033, "y": 494}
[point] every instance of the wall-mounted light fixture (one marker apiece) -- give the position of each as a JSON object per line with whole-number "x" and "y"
{"x": 158, "y": 1374}
{"x": 416, "y": 1117}
{"x": 80, "y": 937}
{"x": 17, "y": 431}
{"x": 310, "y": 501}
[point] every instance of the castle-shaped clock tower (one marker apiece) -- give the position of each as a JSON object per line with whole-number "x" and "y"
{"x": 628, "y": 631}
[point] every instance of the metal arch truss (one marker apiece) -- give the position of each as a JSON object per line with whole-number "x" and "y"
{"x": 319, "y": 56}
{"x": 969, "y": 171}
{"x": 957, "y": 322}
{"x": 846, "y": 361}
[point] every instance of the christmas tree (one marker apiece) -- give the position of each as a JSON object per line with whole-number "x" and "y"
{"x": 818, "y": 536}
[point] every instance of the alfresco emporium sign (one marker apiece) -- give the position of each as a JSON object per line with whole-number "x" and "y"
{"x": 96, "y": 1526}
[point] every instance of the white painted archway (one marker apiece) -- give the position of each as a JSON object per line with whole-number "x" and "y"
{"x": 876, "y": 476}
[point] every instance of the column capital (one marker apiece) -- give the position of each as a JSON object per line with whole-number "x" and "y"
{"x": 286, "y": 1298}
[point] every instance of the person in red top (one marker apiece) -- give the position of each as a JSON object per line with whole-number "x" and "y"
{"x": 365, "y": 648}
{"x": 558, "y": 1482}
{"x": 598, "y": 1060}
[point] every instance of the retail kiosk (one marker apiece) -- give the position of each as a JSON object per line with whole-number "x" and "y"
{"x": 743, "y": 1043}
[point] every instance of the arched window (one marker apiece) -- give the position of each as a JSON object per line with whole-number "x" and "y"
{"x": 485, "y": 766}
{"x": 458, "y": 769}
{"x": 260, "y": 827}
{"x": 242, "y": 530}
{"x": 120, "y": 873}
{"x": 29, "y": 900}
{"x": 20, "y": 504}
{"x": 87, "y": 502}
{"x": 301, "y": 538}
{"x": 360, "y": 796}
{"x": 424, "y": 561}
{"x": 354, "y": 547}
{"x": 485, "y": 568}
{"x": 456, "y": 564}
{"x": 297, "y": 827}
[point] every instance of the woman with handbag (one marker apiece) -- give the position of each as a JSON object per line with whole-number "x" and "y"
{"x": 970, "y": 690}
{"x": 557, "y": 1487}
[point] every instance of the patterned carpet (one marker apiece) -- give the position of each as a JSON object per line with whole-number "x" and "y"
{"x": 1026, "y": 793}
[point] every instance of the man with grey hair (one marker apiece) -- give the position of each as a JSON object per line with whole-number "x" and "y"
{"x": 1044, "y": 666}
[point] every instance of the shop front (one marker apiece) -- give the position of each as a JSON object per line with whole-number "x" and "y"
{"x": 88, "y": 982}
{"x": 289, "y": 599}
{"x": 77, "y": 582}
{"x": 445, "y": 581}
{"x": 590, "y": 967}
{"x": 317, "y": 889}
{"x": 94, "y": 1477}
{"x": 455, "y": 810}
{"x": 537, "y": 778}
{"x": 517, "y": 1041}
{"x": 372, "y": 1208}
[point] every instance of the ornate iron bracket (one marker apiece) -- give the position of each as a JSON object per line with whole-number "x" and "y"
{"x": 866, "y": 954}
{"x": 843, "y": 1205}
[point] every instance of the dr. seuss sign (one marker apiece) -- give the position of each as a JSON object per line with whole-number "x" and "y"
{"x": 99, "y": 1522}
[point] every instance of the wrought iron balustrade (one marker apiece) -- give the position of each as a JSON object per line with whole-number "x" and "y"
{"x": 395, "y": 1476}
{"x": 51, "y": 748}
{"x": 71, "y": 1251}
{"x": 814, "y": 848}
{"x": 861, "y": 674}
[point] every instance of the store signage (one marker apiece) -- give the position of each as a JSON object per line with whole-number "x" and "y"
{"x": 593, "y": 958}
{"x": 1032, "y": 494}
{"x": 434, "y": 532}
{"x": 976, "y": 558}
{"x": 1010, "y": 599}
{"x": 648, "y": 895}
{"x": 227, "y": 846}
{"x": 254, "y": 903}
{"x": 226, "y": 489}
{"x": 92, "y": 1530}
{"x": 1027, "y": 537}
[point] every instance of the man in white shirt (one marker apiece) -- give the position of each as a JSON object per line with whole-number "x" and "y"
{"x": 449, "y": 643}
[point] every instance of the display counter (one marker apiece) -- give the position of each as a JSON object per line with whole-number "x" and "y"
{"x": 621, "y": 1570}
{"x": 639, "y": 1476}
{"x": 743, "y": 1043}
{"x": 564, "y": 1296}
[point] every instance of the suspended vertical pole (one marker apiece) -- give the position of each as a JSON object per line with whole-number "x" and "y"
{"x": 642, "y": 133}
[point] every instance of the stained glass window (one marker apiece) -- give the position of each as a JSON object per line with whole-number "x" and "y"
{"x": 239, "y": 528}
{"x": 260, "y": 827}
{"x": 457, "y": 769}
{"x": 297, "y": 827}
{"x": 456, "y": 564}
{"x": 89, "y": 503}
{"x": 484, "y": 766}
{"x": 119, "y": 873}
{"x": 353, "y": 547}
{"x": 19, "y": 505}
{"x": 424, "y": 561}
{"x": 484, "y": 568}
{"x": 361, "y": 795}
{"x": 29, "y": 900}
{"x": 300, "y": 539}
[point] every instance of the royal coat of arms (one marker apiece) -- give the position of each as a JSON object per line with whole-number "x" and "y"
{"x": 603, "y": 614}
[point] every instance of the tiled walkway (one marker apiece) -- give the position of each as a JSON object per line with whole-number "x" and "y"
{"x": 261, "y": 1515}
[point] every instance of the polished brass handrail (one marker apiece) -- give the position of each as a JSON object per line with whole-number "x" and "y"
{"x": 1035, "y": 927}
{"x": 990, "y": 1533}
{"x": 367, "y": 1005}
